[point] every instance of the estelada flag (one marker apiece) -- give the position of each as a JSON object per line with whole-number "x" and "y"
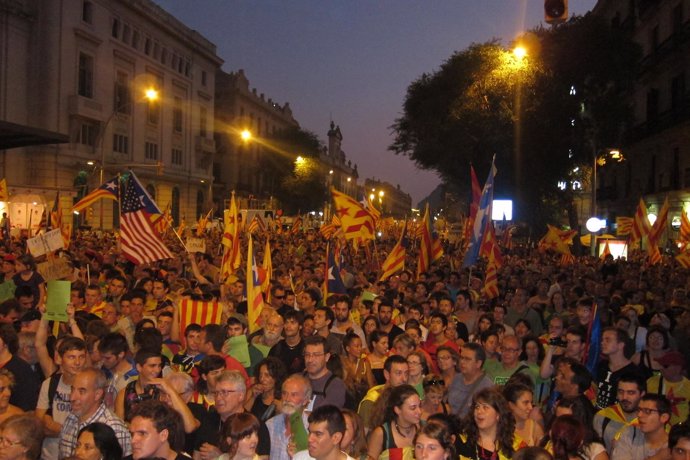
{"x": 199, "y": 312}
{"x": 356, "y": 221}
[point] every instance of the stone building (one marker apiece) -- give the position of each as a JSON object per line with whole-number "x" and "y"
{"x": 82, "y": 68}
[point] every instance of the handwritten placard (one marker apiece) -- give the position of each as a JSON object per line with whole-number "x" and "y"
{"x": 54, "y": 269}
{"x": 196, "y": 245}
{"x": 47, "y": 242}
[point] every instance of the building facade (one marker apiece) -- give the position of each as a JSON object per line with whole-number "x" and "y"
{"x": 83, "y": 68}
{"x": 657, "y": 149}
{"x": 390, "y": 199}
{"x": 238, "y": 162}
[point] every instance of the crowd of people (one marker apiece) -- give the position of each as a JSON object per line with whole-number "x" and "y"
{"x": 585, "y": 361}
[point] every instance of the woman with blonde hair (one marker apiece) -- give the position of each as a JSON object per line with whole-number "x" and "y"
{"x": 21, "y": 437}
{"x": 6, "y": 384}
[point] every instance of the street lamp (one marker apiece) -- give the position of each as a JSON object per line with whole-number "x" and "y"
{"x": 150, "y": 95}
{"x": 246, "y": 135}
{"x": 608, "y": 155}
{"x": 520, "y": 52}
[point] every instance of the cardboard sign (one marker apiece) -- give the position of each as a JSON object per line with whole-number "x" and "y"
{"x": 47, "y": 242}
{"x": 196, "y": 245}
{"x": 54, "y": 269}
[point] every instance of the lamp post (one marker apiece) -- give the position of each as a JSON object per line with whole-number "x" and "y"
{"x": 600, "y": 160}
{"x": 150, "y": 95}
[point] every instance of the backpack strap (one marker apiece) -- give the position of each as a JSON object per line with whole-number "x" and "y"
{"x": 52, "y": 390}
{"x": 325, "y": 387}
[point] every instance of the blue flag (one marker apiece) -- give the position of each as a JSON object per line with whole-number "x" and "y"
{"x": 334, "y": 281}
{"x": 483, "y": 216}
{"x": 594, "y": 347}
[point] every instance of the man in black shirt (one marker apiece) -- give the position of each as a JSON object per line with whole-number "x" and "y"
{"x": 616, "y": 347}
{"x": 291, "y": 350}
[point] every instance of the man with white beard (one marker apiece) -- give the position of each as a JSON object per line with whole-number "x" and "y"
{"x": 291, "y": 423}
{"x": 272, "y": 334}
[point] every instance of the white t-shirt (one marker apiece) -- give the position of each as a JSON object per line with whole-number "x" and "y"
{"x": 61, "y": 409}
{"x": 304, "y": 455}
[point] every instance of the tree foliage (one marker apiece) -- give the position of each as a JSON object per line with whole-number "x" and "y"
{"x": 300, "y": 186}
{"x": 541, "y": 116}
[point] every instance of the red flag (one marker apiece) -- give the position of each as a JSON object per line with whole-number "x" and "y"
{"x": 660, "y": 223}
{"x": 640, "y": 227}
{"x": 199, "y": 312}
{"x": 425, "y": 243}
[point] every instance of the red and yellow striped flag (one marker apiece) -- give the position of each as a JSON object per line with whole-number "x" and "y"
{"x": 653, "y": 253}
{"x": 201, "y": 225}
{"x": 490, "y": 288}
{"x": 199, "y": 312}
{"x": 640, "y": 225}
{"x": 684, "y": 259}
{"x": 268, "y": 268}
{"x": 623, "y": 226}
{"x": 606, "y": 251}
{"x": 356, "y": 221}
{"x": 425, "y": 243}
{"x": 395, "y": 261}
{"x": 231, "y": 241}
{"x": 255, "y": 301}
{"x": 660, "y": 224}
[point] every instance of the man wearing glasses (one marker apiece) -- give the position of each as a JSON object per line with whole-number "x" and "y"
{"x": 327, "y": 388}
{"x": 649, "y": 440}
{"x": 500, "y": 371}
{"x": 229, "y": 395}
{"x": 472, "y": 381}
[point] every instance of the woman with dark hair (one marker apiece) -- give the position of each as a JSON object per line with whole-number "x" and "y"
{"x": 489, "y": 430}
{"x": 484, "y": 323}
{"x": 379, "y": 352}
{"x": 98, "y": 441}
{"x": 519, "y": 399}
{"x": 369, "y": 325}
{"x": 26, "y": 275}
{"x": 264, "y": 396}
{"x": 448, "y": 361}
{"x": 434, "y": 442}
{"x": 401, "y": 419}
{"x": 582, "y": 409}
{"x": 357, "y": 373}
{"x": 657, "y": 344}
{"x": 567, "y": 437}
{"x": 240, "y": 437}
{"x": 523, "y": 328}
{"x": 532, "y": 355}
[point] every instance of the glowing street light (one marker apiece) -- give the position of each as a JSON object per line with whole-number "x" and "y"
{"x": 246, "y": 135}
{"x": 151, "y": 94}
{"x": 520, "y": 52}
{"x": 299, "y": 159}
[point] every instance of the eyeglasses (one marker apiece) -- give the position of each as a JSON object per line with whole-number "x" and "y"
{"x": 433, "y": 382}
{"x": 223, "y": 393}
{"x": 646, "y": 411}
{"x": 8, "y": 442}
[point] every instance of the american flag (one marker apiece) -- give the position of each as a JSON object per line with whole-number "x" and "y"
{"x": 139, "y": 240}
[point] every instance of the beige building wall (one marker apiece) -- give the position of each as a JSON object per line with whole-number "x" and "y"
{"x": 80, "y": 67}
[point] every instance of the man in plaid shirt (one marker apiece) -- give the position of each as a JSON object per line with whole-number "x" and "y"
{"x": 86, "y": 398}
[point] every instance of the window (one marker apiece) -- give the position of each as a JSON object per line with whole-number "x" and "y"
{"x": 151, "y": 151}
{"x": 186, "y": 68}
{"x": 116, "y": 28}
{"x": 203, "y": 78}
{"x": 156, "y": 51}
{"x": 85, "y": 75}
{"x": 147, "y": 46}
{"x": 87, "y": 134}
{"x": 200, "y": 203}
{"x": 87, "y": 12}
{"x": 164, "y": 56}
{"x": 151, "y": 190}
{"x": 654, "y": 39}
{"x": 135, "y": 39}
{"x": 122, "y": 102}
{"x": 677, "y": 91}
{"x": 652, "y": 104}
{"x": 153, "y": 112}
{"x": 177, "y": 115}
{"x": 203, "y": 119}
{"x": 120, "y": 143}
{"x": 126, "y": 34}
{"x": 176, "y": 157}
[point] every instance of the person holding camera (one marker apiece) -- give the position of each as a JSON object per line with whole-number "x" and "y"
{"x": 149, "y": 364}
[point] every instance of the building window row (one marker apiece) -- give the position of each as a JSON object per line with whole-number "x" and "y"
{"x": 176, "y": 157}
{"x": 151, "y": 151}
{"x": 151, "y": 48}
{"x": 120, "y": 143}
{"x": 85, "y": 78}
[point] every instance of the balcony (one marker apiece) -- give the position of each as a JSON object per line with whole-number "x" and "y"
{"x": 85, "y": 107}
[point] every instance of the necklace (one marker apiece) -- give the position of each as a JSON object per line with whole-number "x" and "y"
{"x": 408, "y": 429}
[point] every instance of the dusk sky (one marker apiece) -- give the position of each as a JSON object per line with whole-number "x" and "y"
{"x": 352, "y": 60}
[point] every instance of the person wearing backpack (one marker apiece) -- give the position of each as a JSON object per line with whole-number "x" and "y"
{"x": 54, "y": 405}
{"x": 326, "y": 387}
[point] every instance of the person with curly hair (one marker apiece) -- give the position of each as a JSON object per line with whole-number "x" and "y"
{"x": 434, "y": 442}
{"x": 489, "y": 429}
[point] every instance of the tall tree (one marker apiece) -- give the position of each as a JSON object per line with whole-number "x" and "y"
{"x": 541, "y": 115}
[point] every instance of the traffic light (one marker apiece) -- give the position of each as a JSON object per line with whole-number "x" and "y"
{"x": 555, "y": 11}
